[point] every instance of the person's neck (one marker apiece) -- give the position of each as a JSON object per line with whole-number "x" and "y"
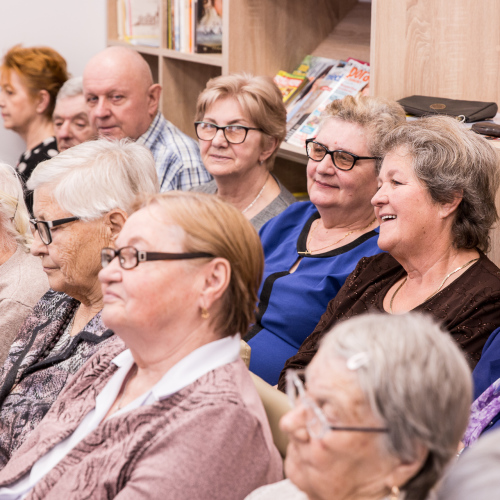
{"x": 39, "y": 129}
{"x": 241, "y": 189}
{"x": 155, "y": 353}
{"x": 350, "y": 221}
{"x": 90, "y": 304}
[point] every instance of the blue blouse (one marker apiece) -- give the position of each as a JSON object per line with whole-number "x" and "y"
{"x": 292, "y": 304}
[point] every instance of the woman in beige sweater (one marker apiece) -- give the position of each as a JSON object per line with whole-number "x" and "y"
{"x": 22, "y": 280}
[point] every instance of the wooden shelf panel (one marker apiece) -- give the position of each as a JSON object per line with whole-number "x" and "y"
{"x": 292, "y": 153}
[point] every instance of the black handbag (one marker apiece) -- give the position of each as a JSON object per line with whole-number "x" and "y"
{"x": 468, "y": 111}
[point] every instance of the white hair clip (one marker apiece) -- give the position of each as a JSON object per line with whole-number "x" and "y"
{"x": 357, "y": 361}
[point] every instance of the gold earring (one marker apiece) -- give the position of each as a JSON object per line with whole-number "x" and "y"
{"x": 394, "y": 493}
{"x": 204, "y": 313}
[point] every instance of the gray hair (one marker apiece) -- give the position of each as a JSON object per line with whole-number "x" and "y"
{"x": 378, "y": 116}
{"x": 92, "y": 178}
{"x": 416, "y": 381}
{"x": 451, "y": 160}
{"x": 475, "y": 475}
{"x": 71, "y": 88}
{"x": 14, "y": 215}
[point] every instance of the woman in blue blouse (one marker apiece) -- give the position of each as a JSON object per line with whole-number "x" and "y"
{"x": 311, "y": 247}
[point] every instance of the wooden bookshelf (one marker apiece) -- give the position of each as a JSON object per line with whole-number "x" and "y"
{"x": 441, "y": 48}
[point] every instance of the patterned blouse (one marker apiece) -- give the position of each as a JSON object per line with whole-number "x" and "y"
{"x": 39, "y": 365}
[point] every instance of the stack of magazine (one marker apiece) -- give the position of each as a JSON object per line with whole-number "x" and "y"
{"x": 312, "y": 86}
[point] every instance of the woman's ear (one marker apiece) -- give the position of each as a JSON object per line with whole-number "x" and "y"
{"x": 42, "y": 101}
{"x": 402, "y": 472}
{"x": 114, "y": 220}
{"x": 216, "y": 276}
{"x": 269, "y": 144}
{"x": 447, "y": 209}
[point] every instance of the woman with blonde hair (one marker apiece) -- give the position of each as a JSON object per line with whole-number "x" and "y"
{"x": 22, "y": 280}
{"x": 248, "y": 112}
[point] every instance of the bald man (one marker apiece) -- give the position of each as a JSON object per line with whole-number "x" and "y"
{"x": 122, "y": 101}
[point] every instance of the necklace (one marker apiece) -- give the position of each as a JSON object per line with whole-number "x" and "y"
{"x": 309, "y": 252}
{"x": 433, "y": 293}
{"x": 130, "y": 375}
{"x": 257, "y": 197}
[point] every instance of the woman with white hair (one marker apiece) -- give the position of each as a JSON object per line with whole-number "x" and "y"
{"x": 22, "y": 280}
{"x": 81, "y": 200}
{"x": 381, "y": 412}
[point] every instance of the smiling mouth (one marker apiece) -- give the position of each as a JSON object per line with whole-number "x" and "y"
{"x": 385, "y": 218}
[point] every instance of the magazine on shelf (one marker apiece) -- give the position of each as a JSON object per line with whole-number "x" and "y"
{"x": 289, "y": 84}
{"x": 356, "y": 76}
{"x": 139, "y": 22}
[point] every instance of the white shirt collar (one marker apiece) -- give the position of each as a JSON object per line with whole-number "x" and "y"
{"x": 189, "y": 369}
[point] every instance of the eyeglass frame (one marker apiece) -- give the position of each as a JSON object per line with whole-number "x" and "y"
{"x": 49, "y": 224}
{"x": 292, "y": 377}
{"x": 223, "y": 128}
{"x": 355, "y": 157}
{"x": 142, "y": 256}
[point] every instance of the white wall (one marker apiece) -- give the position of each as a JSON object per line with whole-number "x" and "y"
{"x": 76, "y": 29}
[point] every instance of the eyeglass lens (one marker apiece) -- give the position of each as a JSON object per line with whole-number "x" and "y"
{"x": 341, "y": 159}
{"x": 127, "y": 257}
{"x": 43, "y": 231}
{"x": 233, "y": 133}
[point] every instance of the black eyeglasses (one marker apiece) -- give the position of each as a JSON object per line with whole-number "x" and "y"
{"x": 343, "y": 160}
{"x": 43, "y": 227}
{"x": 234, "y": 134}
{"x": 130, "y": 257}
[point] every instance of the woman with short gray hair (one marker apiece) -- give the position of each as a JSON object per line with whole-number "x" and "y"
{"x": 435, "y": 205}
{"x": 82, "y": 198}
{"x": 383, "y": 408}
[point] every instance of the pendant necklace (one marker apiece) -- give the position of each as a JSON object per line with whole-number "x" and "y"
{"x": 434, "y": 293}
{"x": 309, "y": 252}
{"x": 257, "y": 197}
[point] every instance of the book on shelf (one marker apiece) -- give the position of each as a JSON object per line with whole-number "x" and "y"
{"x": 343, "y": 79}
{"x": 194, "y": 26}
{"x": 138, "y": 22}
{"x": 289, "y": 84}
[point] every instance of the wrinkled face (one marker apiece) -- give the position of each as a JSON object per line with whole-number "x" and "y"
{"x": 154, "y": 295}
{"x": 330, "y": 187}
{"x": 71, "y": 122}
{"x": 17, "y": 105}
{"x": 403, "y": 206}
{"x": 117, "y": 101}
{"x": 222, "y": 158}
{"x": 342, "y": 464}
{"x": 72, "y": 260}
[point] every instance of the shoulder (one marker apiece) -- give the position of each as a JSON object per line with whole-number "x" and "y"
{"x": 374, "y": 267}
{"x": 291, "y": 219}
{"x": 207, "y": 187}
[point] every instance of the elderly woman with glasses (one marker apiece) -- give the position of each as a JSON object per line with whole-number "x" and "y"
{"x": 311, "y": 247}
{"x": 22, "y": 280}
{"x": 384, "y": 404}
{"x": 176, "y": 414}
{"x": 241, "y": 122}
{"x": 81, "y": 201}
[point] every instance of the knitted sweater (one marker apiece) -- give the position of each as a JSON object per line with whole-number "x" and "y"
{"x": 209, "y": 440}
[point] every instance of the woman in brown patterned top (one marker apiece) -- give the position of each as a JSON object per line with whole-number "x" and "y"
{"x": 435, "y": 205}
{"x": 82, "y": 198}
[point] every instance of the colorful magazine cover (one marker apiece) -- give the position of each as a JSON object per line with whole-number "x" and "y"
{"x": 209, "y": 26}
{"x": 289, "y": 84}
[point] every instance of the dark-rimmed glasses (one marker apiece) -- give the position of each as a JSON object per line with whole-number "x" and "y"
{"x": 317, "y": 424}
{"x": 130, "y": 257}
{"x": 234, "y": 134}
{"x": 343, "y": 160}
{"x": 43, "y": 227}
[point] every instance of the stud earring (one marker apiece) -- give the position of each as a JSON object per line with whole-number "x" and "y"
{"x": 394, "y": 493}
{"x": 204, "y": 313}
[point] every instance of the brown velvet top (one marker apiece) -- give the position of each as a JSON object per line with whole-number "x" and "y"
{"x": 469, "y": 307}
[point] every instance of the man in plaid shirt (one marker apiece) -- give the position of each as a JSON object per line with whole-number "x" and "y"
{"x": 122, "y": 101}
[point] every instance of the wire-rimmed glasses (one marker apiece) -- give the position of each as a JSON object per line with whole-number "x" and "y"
{"x": 234, "y": 134}
{"x": 317, "y": 424}
{"x": 343, "y": 160}
{"x": 43, "y": 227}
{"x": 129, "y": 257}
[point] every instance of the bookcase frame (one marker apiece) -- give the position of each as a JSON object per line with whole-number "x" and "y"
{"x": 441, "y": 48}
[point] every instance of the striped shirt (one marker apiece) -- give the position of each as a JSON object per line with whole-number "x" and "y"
{"x": 177, "y": 156}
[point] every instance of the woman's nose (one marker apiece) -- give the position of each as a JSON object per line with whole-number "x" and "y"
{"x": 379, "y": 197}
{"x": 38, "y": 247}
{"x": 326, "y": 166}
{"x": 111, "y": 272}
{"x": 220, "y": 139}
{"x": 294, "y": 424}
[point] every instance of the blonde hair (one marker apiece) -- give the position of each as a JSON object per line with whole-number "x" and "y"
{"x": 259, "y": 98}
{"x": 450, "y": 160}
{"x": 14, "y": 216}
{"x": 378, "y": 116}
{"x": 216, "y": 227}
